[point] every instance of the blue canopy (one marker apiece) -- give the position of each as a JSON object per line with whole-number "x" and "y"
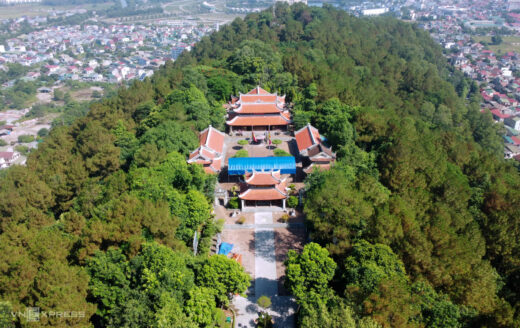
{"x": 241, "y": 165}
{"x": 225, "y": 248}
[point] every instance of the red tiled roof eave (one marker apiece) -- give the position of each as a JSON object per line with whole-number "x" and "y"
{"x": 258, "y": 120}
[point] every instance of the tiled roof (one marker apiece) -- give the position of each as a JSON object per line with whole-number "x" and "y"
{"x": 258, "y": 120}
{"x": 499, "y": 114}
{"x": 306, "y": 137}
{"x": 319, "y": 167}
{"x": 248, "y": 98}
{"x": 210, "y": 150}
{"x": 262, "y": 193}
{"x": 258, "y": 108}
{"x": 263, "y": 178}
{"x": 319, "y": 148}
{"x": 214, "y": 167}
{"x": 257, "y": 91}
{"x": 6, "y": 155}
{"x": 212, "y": 139}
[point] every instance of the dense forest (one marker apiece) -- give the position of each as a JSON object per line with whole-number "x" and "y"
{"x": 415, "y": 226}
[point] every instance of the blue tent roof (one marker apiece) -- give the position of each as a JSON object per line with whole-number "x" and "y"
{"x": 225, "y": 248}
{"x": 241, "y": 165}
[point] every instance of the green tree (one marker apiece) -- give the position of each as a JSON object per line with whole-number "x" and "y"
{"x": 309, "y": 272}
{"x": 224, "y": 276}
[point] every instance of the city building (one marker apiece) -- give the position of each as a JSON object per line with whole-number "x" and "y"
{"x": 292, "y": 2}
{"x": 7, "y": 158}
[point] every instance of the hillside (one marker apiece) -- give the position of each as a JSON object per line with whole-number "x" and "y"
{"x": 415, "y": 226}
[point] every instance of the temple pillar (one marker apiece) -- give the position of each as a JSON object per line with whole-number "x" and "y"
{"x": 283, "y": 204}
{"x": 243, "y": 204}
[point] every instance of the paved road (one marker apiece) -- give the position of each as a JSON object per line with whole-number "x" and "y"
{"x": 266, "y": 282}
{"x": 263, "y": 226}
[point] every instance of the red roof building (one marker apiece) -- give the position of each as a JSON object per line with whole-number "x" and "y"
{"x": 498, "y": 115}
{"x": 210, "y": 152}
{"x": 313, "y": 152}
{"x": 258, "y": 108}
{"x": 263, "y": 188}
{"x": 7, "y": 158}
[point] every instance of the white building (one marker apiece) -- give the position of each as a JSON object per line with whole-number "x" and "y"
{"x": 292, "y": 2}
{"x": 374, "y": 12}
{"x": 513, "y": 122}
{"x": 10, "y": 2}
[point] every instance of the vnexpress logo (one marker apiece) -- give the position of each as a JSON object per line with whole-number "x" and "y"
{"x": 33, "y": 314}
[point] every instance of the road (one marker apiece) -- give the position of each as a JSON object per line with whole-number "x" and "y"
{"x": 266, "y": 280}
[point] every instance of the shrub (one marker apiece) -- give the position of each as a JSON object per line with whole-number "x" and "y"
{"x": 242, "y": 142}
{"x": 3, "y": 142}
{"x": 43, "y": 132}
{"x": 25, "y": 138}
{"x": 220, "y": 224}
{"x": 24, "y": 150}
{"x": 242, "y": 220}
{"x": 281, "y": 153}
{"x": 292, "y": 187}
{"x": 285, "y": 218}
{"x": 242, "y": 153}
{"x": 277, "y": 142}
{"x": 233, "y": 202}
{"x": 292, "y": 201}
{"x": 264, "y": 301}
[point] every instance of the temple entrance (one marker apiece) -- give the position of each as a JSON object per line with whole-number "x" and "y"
{"x": 253, "y": 205}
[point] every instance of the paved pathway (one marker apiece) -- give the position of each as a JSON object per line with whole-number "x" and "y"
{"x": 265, "y": 283}
{"x": 263, "y": 226}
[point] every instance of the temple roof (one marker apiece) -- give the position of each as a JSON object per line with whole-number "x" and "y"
{"x": 320, "y": 149}
{"x": 258, "y": 120}
{"x": 212, "y": 139}
{"x": 258, "y": 108}
{"x": 209, "y": 153}
{"x": 258, "y": 91}
{"x": 315, "y": 166}
{"x": 263, "y": 178}
{"x": 307, "y": 137}
{"x": 265, "y": 193}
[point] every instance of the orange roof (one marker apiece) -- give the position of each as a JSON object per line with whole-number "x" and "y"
{"x": 258, "y": 108}
{"x": 248, "y": 98}
{"x": 263, "y": 178}
{"x": 214, "y": 167}
{"x": 319, "y": 167}
{"x": 258, "y": 120}
{"x": 262, "y": 194}
{"x": 209, "y": 152}
{"x": 306, "y": 137}
{"x": 212, "y": 138}
{"x": 201, "y": 161}
{"x": 257, "y": 91}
